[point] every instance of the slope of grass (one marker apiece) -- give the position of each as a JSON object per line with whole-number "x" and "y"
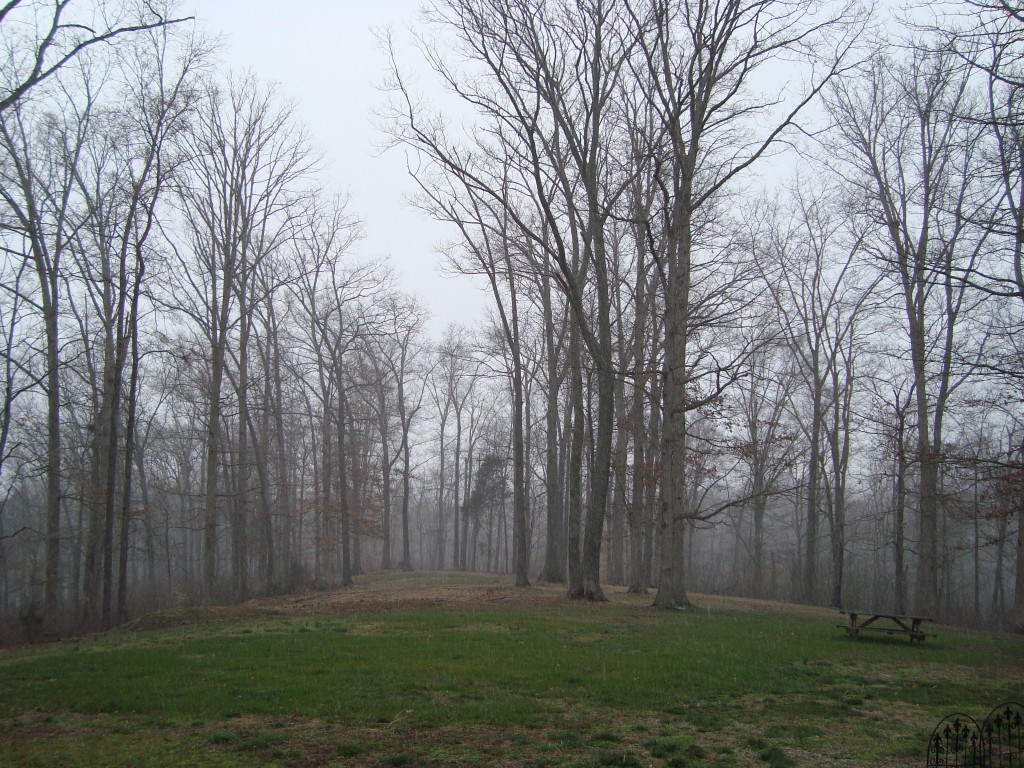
{"x": 572, "y": 684}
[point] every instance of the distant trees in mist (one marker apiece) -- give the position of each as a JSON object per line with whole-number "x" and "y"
{"x": 755, "y": 323}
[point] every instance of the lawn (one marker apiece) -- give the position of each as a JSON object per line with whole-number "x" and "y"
{"x": 483, "y": 674}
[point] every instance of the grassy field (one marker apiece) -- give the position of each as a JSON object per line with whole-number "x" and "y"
{"x": 501, "y": 677}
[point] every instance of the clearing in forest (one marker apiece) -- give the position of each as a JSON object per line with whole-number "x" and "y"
{"x": 456, "y": 669}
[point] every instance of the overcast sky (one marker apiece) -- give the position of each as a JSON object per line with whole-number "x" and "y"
{"x": 324, "y": 55}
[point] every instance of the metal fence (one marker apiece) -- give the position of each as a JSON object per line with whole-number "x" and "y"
{"x": 959, "y": 742}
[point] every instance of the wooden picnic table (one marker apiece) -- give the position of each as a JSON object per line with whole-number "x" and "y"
{"x": 892, "y": 624}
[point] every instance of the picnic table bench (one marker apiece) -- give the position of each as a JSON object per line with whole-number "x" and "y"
{"x": 892, "y": 624}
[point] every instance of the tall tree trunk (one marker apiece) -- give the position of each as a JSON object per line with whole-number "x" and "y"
{"x": 521, "y": 544}
{"x": 406, "y": 490}
{"x": 51, "y": 598}
{"x": 242, "y": 502}
{"x": 385, "y": 452}
{"x": 675, "y": 514}
{"x": 438, "y": 557}
{"x": 343, "y": 491}
{"x": 520, "y": 537}
{"x": 615, "y": 566}
{"x": 810, "y": 575}
{"x": 130, "y": 452}
{"x": 456, "y": 488}
{"x": 926, "y": 597}
{"x": 284, "y": 498}
{"x": 1017, "y": 619}
{"x": 637, "y": 582}
{"x": 600, "y": 476}
{"x": 467, "y": 474}
{"x": 575, "y": 478}
{"x": 652, "y": 490}
{"x": 213, "y": 419}
{"x": 900, "y": 505}
{"x": 554, "y": 554}
{"x": 323, "y": 543}
{"x": 758, "y": 507}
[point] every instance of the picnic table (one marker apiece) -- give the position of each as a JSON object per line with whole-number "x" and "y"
{"x": 891, "y": 624}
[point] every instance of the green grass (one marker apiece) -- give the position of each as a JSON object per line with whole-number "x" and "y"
{"x": 567, "y": 685}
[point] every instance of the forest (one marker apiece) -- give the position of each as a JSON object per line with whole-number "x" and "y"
{"x": 755, "y": 325}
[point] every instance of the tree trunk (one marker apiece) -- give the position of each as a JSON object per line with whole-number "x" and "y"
{"x": 322, "y": 524}
{"x": 521, "y": 544}
{"x": 554, "y": 554}
{"x": 51, "y": 597}
{"x": 343, "y": 494}
{"x": 242, "y": 501}
{"x": 385, "y": 452}
{"x": 674, "y": 473}
{"x": 456, "y": 489}
{"x": 637, "y": 580}
{"x": 575, "y": 479}
{"x": 406, "y": 488}
{"x": 600, "y": 475}
{"x": 615, "y": 567}
{"x": 130, "y": 453}
{"x": 1017, "y": 619}
{"x": 520, "y": 535}
{"x": 813, "y": 473}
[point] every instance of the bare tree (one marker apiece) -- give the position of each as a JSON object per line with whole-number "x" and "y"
{"x": 698, "y": 65}
{"x": 491, "y": 246}
{"x": 812, "y": 265}
{"x": 18, "y": 333}
{"x": 765, "y": 440}
{"x": 384, "y": 352}
{"x": 911, "y": 154}
{"x": 988, "y": 37}
{"x": 331, "y": 296}
{"x": 43, "y": 151}
{"x": 59, "y": 31}
{"x": 550, "y": 80}
{"x": 130, "y": 163}
{"x": 396, "y": 347}
{"x": 246, "y": 160}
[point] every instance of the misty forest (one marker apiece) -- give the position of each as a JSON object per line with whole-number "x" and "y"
{"x": 755, "y": 325}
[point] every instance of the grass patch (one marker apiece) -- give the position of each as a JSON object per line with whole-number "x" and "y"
{"x": 398, "y": 760}
{"x": 776, "y": 758}
{"x": 552, "y": 684}
{"x": 621, "y": 759}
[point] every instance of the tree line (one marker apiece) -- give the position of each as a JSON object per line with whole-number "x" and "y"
{"x": 757, "y": 298}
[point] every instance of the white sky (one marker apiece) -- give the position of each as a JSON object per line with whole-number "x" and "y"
{"x": 323, "y": 54}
